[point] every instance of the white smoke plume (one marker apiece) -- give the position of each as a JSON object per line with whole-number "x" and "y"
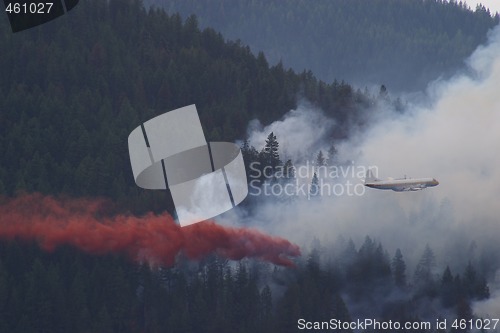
{"x": 454, "y": 137}
{"x": 300, "y": 132}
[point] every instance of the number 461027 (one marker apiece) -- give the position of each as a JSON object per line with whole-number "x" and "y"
{"x": 29, "y": 8}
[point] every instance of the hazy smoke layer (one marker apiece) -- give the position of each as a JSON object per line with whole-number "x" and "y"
{"x": 299, "y": 132}
{"x": 157, "y": 240}
{"x": 454, "y": 140}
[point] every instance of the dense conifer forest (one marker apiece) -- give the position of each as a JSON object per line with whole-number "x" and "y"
{"x": 69, "y": 291}
{"x": 72, "y": 90}
{"x": 70, "y": 93}
{"x": 400, "y": 43}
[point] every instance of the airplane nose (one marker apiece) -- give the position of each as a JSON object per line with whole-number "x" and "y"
{"x": 436, "y": 182}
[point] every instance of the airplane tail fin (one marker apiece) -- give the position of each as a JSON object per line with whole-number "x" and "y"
{"x": 370, "y": 177}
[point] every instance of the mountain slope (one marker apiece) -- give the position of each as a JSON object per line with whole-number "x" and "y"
{"x": 400, "y": 43}
{"x": 72, "y": 90}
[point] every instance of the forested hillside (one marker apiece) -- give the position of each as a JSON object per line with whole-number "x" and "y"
{"x": 70, "y": 93}
{"x": 400, "y": 43}
{"x": 72, "y": 90}
{"x": 68, "y": 291}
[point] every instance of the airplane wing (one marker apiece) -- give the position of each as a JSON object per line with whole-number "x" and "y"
{"x": 409, "y": 188}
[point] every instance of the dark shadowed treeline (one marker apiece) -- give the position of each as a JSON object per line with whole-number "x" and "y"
{"x": 68, "y": 291}
{"x": 401, "y": 43}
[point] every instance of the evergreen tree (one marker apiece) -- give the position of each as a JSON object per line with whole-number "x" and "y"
{"x": 399, "y": 269}
{"x": 448, "y": 289}
{"x": 313, "y": 263}
{"x": 424, "y": 273}
{"x": 271, "y": 152}
{"x": 251, "y": 160}
{"x": 383, "y": 93}
{"x": 266, "y": 309}
{"x": 348, "y": 255}
{"x": 314, "y": 190}
{"x": 469, "y": 280}
{"x": 475, "y": 286}
{"x": 426, "y": 265}
{"x": 288, "y": 171}
{"x": 320, "y": 159}
{"x": 332, "y": 154}
{"x": 288, "y": 180}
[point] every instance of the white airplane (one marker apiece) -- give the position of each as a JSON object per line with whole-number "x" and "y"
{"x": 399, "y": 185}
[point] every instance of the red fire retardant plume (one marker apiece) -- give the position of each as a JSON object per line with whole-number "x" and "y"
{"x": 156, "y": 239}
